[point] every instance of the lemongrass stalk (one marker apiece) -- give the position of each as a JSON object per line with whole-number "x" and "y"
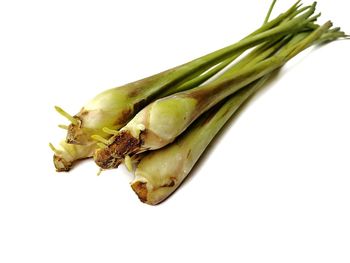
{"x": 80, "y": 131}
{"x": 159, "y": 123}
{"x": 160, "y": 172}
{"x": 70, "y": 153}
{"x": 109, "y": 157}
{"x": 115, "y": 107}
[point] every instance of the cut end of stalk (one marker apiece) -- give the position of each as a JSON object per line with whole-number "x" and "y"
{"x": 106, "y": 161}
{"x": 66, "y": 115}
{"x": 61, "y": 164}
{"x": 111, "y": 156}
{"x": 140, "y": 188}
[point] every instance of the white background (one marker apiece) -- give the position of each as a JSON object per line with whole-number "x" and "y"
{"x": 274, "y": 188}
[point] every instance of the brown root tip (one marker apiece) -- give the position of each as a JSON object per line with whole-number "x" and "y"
{"x": 105, "y": 160}
{"x": 111, "y": 156}
{"x": 61, "y": 164}
{"x": 140, "y": 189}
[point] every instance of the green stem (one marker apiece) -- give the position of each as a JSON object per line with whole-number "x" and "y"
{"x": 199, "y": 79}
{"x": 270, "y": 11}
{"x": 264, "y": 33}
{"x": 257, "y": 55}
{"x": 249, "y": 74}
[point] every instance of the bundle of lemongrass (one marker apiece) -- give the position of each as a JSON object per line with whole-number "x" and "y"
{"x": 162, "y": 124}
